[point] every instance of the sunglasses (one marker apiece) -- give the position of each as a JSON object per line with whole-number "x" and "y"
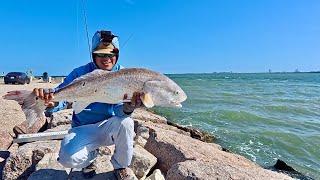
{"x": 101, "y": 55}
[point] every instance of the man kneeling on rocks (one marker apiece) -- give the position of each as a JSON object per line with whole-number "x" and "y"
{"x": 99, "y": 124}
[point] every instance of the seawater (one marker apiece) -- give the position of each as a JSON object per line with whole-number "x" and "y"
{"x": 262, "y": 116}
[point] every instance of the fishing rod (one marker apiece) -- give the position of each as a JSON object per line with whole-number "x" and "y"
{"x": 124, "y": 44}
{"x": 86, "y": 27}
{"x": 87, "y": 33}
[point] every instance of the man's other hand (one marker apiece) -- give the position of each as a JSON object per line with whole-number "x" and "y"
{"x": 128, "y": 107}
{"x": 46, "y": 95}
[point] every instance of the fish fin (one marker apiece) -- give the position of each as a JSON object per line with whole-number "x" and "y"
{"x": 148, "y": 88}
{"x": 97, "y": 72}
{"x": 79, "y": 106}
{"x": 32, "y": 106}
{"x": 147, "y": 100}
{"x": 18, "y": 96}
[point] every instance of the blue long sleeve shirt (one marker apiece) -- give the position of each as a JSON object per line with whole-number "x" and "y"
{"x": 96, "y": 111}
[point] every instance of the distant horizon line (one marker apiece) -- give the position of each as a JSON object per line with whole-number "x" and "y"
{"x": 223, "y": 72}
{"x": 231, "y": 72}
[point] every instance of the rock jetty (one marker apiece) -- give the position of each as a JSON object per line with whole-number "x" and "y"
{"x": 161, "y": 151}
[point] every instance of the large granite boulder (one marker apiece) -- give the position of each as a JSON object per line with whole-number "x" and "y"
{"x": 48, "y": 168}
{"x": 24, "y": 128}
{"x": 195, "y": 133}
{"x": 5, "y": 140}
{"x": 145, "y": 115}
{"x": 172, "y": 148}
{"x": 138, "y": 122}
{"x": 142, "y": 162}
{"x": 10, "y": 115}
{"x": 142, "y": 135}
{"x": 156, "y": 175}
{"x": 104, "y": 169}
{"x": 13, "y": 148}
{"x": 208, "y": 170}
{"x": 59, "y": 118}
{"x": 22, "y": 163}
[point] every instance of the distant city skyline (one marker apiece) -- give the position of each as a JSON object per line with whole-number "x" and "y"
{"x": 163, "y": 35}
{"x": 272, "y": 72}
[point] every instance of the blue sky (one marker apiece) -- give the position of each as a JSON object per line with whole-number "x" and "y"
{"x": 170, "y": 36}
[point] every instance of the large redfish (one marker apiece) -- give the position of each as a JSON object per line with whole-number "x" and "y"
{"x": 106, "y": 87}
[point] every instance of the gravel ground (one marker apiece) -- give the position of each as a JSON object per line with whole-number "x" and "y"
{"x": 10, "y": 111}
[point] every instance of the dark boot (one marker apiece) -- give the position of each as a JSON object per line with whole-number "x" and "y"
{"x": 89, "y": 171}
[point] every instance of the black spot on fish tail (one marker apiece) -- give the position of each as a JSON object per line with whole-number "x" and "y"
{"x": 84, "y": 83}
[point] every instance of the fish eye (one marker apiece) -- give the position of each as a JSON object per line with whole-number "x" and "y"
{"x": 176, "y": 92}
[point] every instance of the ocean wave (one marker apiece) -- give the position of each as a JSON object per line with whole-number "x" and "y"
{"x": 239, "y": 116}
{"x": 287, "y": 109}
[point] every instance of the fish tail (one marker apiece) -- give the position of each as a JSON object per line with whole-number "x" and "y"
{"x": 18, "y": 96}
{"x": 32, "y": 106}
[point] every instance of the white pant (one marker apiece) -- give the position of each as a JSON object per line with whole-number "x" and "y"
{"x": 78, "y": 148}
